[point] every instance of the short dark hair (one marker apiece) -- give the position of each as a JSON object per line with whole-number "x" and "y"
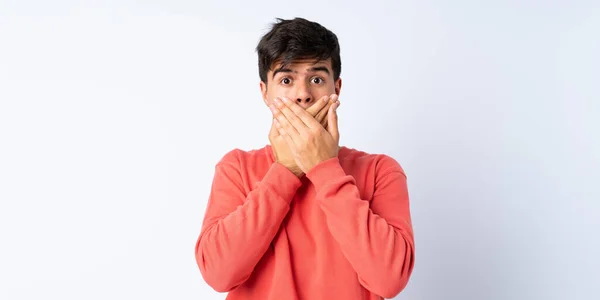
{"x": 290, "y": 40}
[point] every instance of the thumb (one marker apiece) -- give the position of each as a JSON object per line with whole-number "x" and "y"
{"x": 332, "y": 121}
{"x": 273, "y": 133}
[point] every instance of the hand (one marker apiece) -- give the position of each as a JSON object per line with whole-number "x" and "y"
{"x": 320, "y": 108}
{"x": 309, "y": 142}
{"x": 281, "y": 150}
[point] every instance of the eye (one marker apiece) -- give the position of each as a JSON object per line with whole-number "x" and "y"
{"x": 286, "y": 80}
{"x": 317, "y": 80}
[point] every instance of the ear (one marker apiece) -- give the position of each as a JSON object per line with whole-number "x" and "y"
{"x": 338, "y": 86}
{"x": 263, "y": 91}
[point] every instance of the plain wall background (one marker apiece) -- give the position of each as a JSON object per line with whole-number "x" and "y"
{"x": 113, "y": 115}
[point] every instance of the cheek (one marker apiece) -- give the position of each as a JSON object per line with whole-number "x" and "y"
{"x": 331, "y": 88}
{"x": 327, "y": 89}
{"x": 324, "y": 91}
{"x": 274, "y": 92}
{"x": 270, "y": 96}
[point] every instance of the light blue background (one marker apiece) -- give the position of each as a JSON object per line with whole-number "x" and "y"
{"x": 113, "y": 114}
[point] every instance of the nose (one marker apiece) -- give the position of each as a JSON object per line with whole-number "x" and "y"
{"x": 304, "y": 97}
{"x": 305, "y": 103}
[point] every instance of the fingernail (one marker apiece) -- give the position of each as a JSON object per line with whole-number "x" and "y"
{"x": 284, "y": 99}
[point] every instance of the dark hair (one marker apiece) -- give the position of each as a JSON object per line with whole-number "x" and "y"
{"x": 290, "y": 40}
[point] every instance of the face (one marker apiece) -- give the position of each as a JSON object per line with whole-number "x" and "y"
{"x": 304, "y": 81}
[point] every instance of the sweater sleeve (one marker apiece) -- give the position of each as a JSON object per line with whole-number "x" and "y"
{"x": 376, "y": 237}
{"x": 238, "y": 227}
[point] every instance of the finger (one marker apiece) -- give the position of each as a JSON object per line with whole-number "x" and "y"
{"x": 319, "y": 106}
{"x": 326, "y": 103}
{"x": 332, "y": 120}
{"x": 273, "y": 137}
{"x": 289, "y": 139}
{"x": 321, "y": 117}
{"x": 291, "y": 110}
{"x": 283, "y": 122}
{"x": 299, "y": 117}
{"x": 273, "y": 133}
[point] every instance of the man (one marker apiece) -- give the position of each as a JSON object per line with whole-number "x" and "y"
{"x": 302, "y": 217}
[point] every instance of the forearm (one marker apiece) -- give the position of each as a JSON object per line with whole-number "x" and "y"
{"x": 380, "y": 251}
{"x": 380, "y": 254}
{"x": 230, "y": 246}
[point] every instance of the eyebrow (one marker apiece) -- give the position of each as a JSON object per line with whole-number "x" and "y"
{"x": 313, "y": 69}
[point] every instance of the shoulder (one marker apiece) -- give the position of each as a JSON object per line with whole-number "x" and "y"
{"x": 380, "y": 163}
{"x": 239, "y": 157}
{"x": 232, "y": 157}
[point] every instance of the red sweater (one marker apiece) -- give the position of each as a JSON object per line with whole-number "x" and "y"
{"x": 343, "y": 231}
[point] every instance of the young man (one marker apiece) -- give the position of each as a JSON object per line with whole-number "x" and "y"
{"x": 305, "y": 218}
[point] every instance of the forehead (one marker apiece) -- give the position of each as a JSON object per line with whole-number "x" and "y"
{"x": 302, "y": 64}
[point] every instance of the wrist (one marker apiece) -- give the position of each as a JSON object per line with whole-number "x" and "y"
{"x": 325, "y": 172}
{"x": 293, "y": 168}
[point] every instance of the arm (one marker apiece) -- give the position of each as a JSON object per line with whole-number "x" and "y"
{"x": 238, "y": 228}
{"x": 377, "y": 237}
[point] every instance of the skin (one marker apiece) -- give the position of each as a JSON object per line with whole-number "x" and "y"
{"x": 303, "y": 99}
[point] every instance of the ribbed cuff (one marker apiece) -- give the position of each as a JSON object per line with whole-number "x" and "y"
{"x": 325, "y": 172}
{"x": 282, "y": 181}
